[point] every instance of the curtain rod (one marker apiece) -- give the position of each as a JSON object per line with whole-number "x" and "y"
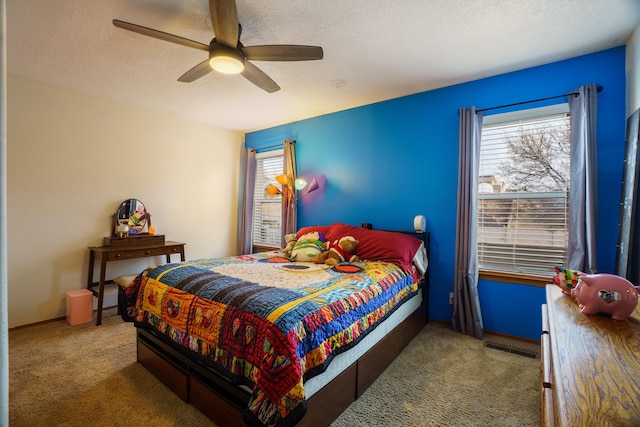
{"x": 270, "y": 146}
{"x": 600, "y": 88}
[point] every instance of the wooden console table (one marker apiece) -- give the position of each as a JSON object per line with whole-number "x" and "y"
{"x": 110, "y": 253}
{"x": 590, "y": 366}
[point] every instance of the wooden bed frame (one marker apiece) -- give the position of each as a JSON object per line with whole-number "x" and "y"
{"x": 224, "y": 403}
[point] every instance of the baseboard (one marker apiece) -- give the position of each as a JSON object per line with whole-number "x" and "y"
{"x": 43, "y": 322}
{"x": 497, "y": 334}
{"x": 56, "y": 319}
{"x": 513, "y": 337}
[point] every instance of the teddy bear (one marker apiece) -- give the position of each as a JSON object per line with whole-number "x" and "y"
{"x": 342, "y": 250}
{"x": 308, "y": 246}
{"x": 291, "y": 242}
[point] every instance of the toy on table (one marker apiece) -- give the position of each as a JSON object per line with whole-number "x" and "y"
{"x": 566, "y": 279}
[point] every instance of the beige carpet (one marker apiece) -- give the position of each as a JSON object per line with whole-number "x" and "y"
{"x": 444, "y": 378}
{"x": 61, "y": 375}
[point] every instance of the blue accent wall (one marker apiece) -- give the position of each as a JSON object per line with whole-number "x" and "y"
{"x": 384, "y": 163}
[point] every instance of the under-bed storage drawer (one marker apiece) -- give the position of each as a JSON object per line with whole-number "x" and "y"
{"x": 168, "y": 373}
{"x": 329, "y": 402}
{"x": 213, "y": 406}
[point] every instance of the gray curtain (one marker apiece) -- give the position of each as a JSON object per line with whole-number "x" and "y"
{"x": 467, "y": 317}
{"x": 245, "y": 238}
{"x": 581, "y": 252}
{"x": 289, "y": 202}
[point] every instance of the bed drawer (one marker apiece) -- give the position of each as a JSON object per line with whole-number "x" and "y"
{"x": 140, "y": 253}
{"x": 169, "y": 374}
{"x": 329, "y": 402}
{"x": 212, "y": 405}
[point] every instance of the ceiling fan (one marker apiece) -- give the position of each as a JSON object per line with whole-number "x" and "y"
{"x": 226, "y": 53}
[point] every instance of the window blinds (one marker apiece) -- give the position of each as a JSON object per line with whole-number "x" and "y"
{"x": 267, "y": 210}
{"x": 523, "y": 193}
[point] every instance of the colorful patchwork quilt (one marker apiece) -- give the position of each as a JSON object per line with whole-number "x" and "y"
{"x": 265, "y": 322}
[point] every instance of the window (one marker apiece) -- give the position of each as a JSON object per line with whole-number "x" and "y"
{"x": 267, "y": 210}
{"x": 523, "y": 191}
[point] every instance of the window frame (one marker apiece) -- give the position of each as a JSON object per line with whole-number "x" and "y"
{"x": 260, "y": 197}
{"x": 525, "y": 278}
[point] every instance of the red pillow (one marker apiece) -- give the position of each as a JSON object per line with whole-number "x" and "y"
{"x": 310, "y": 229}
{"x": 378, "y": 245}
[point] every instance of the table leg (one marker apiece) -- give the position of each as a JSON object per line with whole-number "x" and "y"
{"x": 90, "y": 276}
{"x": 103, "y": 267}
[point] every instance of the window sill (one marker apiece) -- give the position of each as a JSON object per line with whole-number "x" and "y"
{"x": 519, "y": 278}
{"x": 258, "y": 248}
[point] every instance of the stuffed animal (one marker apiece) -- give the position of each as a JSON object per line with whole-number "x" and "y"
{"x": 308, "y": 246}
{"x": 566, "y": 279}
{"x": 291, "y": 242}
{"x": 338, "y": 251}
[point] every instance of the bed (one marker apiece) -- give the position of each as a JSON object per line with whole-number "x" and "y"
{"x": 260, "y": 340}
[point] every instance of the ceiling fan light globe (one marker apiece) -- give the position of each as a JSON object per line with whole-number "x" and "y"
{"x": 227, "y": 62}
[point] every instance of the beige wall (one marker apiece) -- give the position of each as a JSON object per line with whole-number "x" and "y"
{"x": 633, "y": 72}
{"x": 73, "y": 158}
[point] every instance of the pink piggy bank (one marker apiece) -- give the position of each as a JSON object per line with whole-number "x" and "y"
{"x": 606, "y": 293}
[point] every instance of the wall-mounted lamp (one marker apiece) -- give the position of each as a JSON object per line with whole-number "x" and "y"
{"x": 289, "y": 184}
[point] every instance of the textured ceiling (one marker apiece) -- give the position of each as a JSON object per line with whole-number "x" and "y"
{"x": 376, "y": 50}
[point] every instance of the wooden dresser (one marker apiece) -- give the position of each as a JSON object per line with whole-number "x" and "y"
{"x": 590, "y": 371}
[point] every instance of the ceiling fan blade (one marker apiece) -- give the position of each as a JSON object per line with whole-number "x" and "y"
{"x": 256, "y": 76}
{"x": 283, "y": 52}
{"x": 202, "y": 69}
{"x": 160, "y": 35}
{"x": 224, "y": 20}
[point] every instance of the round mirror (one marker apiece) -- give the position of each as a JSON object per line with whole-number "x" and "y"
{"x": 133, "y": 214}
